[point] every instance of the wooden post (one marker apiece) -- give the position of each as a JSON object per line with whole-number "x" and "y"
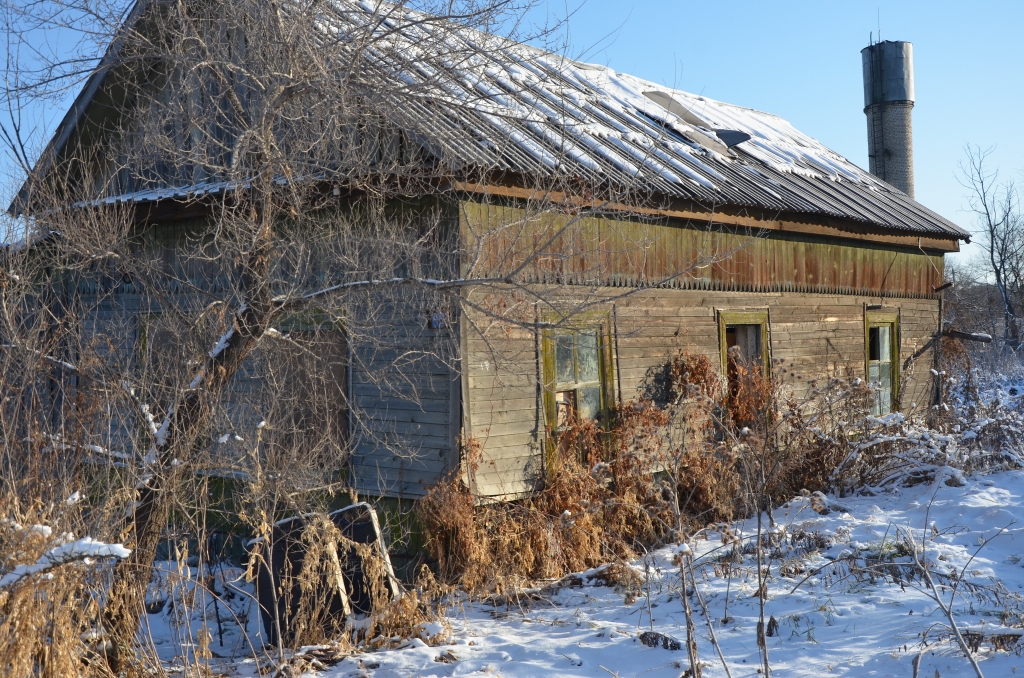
{"x": 938, "y": 352}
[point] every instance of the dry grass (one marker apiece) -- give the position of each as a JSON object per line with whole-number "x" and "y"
{"x": 600, "y": 503}
{"x": 409, "y": 615}
{"x": 49, "y": 622}
{"x": 709, "y": 451}
{"x": 712, "y": 451}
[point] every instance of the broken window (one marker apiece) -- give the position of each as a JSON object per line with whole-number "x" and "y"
{"x": 744, "y": 343}
{"x": 578, "y": 374}
{"x": 747, "y": 340}
{"x": 882, "y": 350}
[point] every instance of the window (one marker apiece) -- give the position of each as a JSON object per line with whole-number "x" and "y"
{"x": 577, "y": 374}
{"x": 744, "y": 335}
{"x": 882, "y": 359}
{"x": 577, "y": 377}
{"x": 747, "y": 340}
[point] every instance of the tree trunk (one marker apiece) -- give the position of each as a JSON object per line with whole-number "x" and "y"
{"x": 185, "y": 425}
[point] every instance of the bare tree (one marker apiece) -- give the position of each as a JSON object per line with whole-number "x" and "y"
{"x": 296, "y": 144}
{"x": 997, "y": 208}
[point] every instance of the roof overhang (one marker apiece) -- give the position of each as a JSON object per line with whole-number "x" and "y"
{"x": 69, "y": 123}
{"x": 158, "y": 205}
{"x": 730, "y": 215}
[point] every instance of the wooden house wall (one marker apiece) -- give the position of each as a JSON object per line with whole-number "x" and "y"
{"x": 815, "y": 289}
{"x": 405, "y": 407}
{"x": 544, "y": 246}
{"x": 408, "y": 406}
{"x": 812, "y": 336}
{"x": 116, "y": 312}
{"x": 404, "y": 404}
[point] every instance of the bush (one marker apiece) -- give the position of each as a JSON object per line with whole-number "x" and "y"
{"x": 697, "y": 450}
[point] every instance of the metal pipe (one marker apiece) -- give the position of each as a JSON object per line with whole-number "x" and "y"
{"x": 888, "y": 102}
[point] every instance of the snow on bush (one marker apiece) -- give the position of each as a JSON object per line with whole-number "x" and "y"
{"x": 981, "y": 429}
{"x": 83, "y": 550}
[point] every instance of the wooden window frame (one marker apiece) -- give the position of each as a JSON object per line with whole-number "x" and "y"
{"x": 879, "y": 318}
{"x": 599, "y": 321}
{"x": 756, "y": 316}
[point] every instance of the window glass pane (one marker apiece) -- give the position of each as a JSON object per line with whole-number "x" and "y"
{"x": 885, "y": 375}
{"x": 565, "y": 405}
{"x": 563, "y": 360}
{"x": 586, "y": 357}
{"x": 589, "y": 402}
{"x": 880, "y": 368}
{"x": 884, "y": 353}
{"x": 883, "y": 402}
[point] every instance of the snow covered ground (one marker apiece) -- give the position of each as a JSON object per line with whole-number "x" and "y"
{"x": 843, "y": 593}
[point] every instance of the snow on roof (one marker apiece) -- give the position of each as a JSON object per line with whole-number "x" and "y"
{"x": 542, "y": 114}
{"x": 488, "y": 102}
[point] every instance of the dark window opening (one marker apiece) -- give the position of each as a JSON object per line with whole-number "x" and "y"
{"x": 747, "y": 340}
{"x": 880, "y": 368}
{"x": 748, "y": 395}
{"x": 743, "y": 345}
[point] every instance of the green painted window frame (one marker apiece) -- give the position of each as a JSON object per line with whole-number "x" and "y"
{"x": 760, "y": 317}
{"x": 599, "y": 321}
{"x": 880, "y": 318}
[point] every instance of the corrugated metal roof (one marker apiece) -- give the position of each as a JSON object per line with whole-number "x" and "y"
{"x": 509, "y": 106}
{"x": 519, "y": 108}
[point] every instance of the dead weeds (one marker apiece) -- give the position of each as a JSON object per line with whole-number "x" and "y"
{"x": 657, "y": 469}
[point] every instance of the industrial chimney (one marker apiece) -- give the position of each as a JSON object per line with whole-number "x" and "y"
{"x": 888, "y": 101}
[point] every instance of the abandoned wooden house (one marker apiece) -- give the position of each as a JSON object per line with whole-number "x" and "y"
{"x": 715, "y": 226}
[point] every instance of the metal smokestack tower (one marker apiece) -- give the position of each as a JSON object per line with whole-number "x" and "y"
{"x": 888, "y": 101}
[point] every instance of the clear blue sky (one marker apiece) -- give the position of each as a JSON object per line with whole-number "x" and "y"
{"x": 801, "y": 60}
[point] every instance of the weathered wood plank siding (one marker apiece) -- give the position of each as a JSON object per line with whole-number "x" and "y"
{"x": 407, "y": 406}
{"x": 689, "y": 255}
{"x": 503, "y": 405}
{"x": 120, "y": 312}
{"x": 402, "y": 395}
{"x": 816, "y": 293}
{"x": 812, "y": 336}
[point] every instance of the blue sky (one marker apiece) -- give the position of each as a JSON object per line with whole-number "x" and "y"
{"x": 801, "y": 60}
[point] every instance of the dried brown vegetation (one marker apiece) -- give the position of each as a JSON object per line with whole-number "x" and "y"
{"x": 48, "y": 621}
{"x": 652, "y": 473}
{"x": 600, "y": 503}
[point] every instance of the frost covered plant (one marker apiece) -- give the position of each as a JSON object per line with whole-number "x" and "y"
{"x": 895, "y": 450}
{"x": 891, "y": 451}
{"x": 50, "y": 582}
{"x": 85, "y": 551}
